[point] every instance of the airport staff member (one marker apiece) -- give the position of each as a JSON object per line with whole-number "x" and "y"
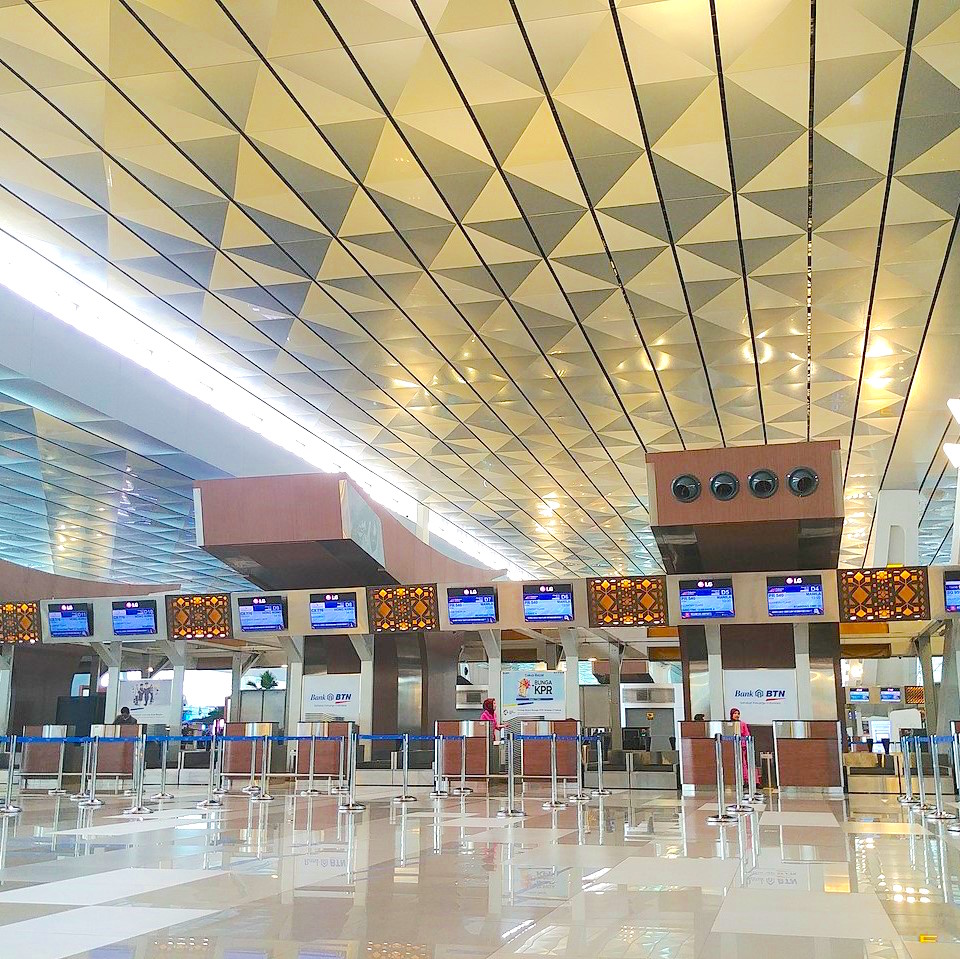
{"x": 125, "y": 719}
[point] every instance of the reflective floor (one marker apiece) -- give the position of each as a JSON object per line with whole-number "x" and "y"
{"x": 642, "y": 876}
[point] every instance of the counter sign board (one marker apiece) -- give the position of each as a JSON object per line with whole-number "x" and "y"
{"x": 531, "y": 694}
{"x": 761, "y": 695}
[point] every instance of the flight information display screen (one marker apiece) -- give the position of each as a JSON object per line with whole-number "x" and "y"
{"x": 951, "y": 590}
{"x": 795, "y": 595}
{"x": 471, "y": 605}
{"x": 262, "y": 614}
{"x": 70, "y": 619}
{"x": 891, "y": 694}
{"x": 333, "y": 610}
{"x": 706, "y": 598}
{"x": 548, "y": 603}
{"x": 134, "y": 617}
{"x": 858, "y": 694}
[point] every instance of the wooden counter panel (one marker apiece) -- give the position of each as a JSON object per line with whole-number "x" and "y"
{"x": 809, "y": 762}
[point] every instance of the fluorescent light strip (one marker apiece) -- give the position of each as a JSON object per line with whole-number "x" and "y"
{"x": 36, "y": 278}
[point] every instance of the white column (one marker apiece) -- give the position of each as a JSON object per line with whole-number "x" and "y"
{"x": 363, "y": 644}
{"x": 801, "y": 651}
{"x": 950, "y": 682}
{"x": 294, "y": 707}
{"x": 6, "y": 688}
{"x": 925, "y": 655}
{"x": 236, "y": 674}
{"x": 492, "y": 647}
{"x": 112, "y": 655}
{"x": 615, "y": 659}
{"x": 571, "y": 653}
{"x": 176, "y": 653}
{"x": 896, "y": 529}
{"x": 715, "y": 671}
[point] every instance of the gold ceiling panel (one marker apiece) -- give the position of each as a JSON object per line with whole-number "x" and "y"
{"x": 498, "y": 251}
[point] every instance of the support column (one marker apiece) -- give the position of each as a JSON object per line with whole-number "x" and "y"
{"x": 801, "y": 652}
{"x": 363, "y": 644}
{"x": 571, "y": 653}
{"x": 615, "y": 659}
{"x": 6, "y": 688}
{"x": 293, "y": 645}
{"x": 493, "y": 648}
{"x": 925, "y": 655}
{"x": 950, "y": 680}
{"x": 236, "y": 674}
{"x": 176, "y": 653}
{"x": 714, "y": 671}
{"x": 896, "y": 529}
{"x": 112, "y": 655}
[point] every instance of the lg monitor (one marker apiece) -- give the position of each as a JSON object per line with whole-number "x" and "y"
{"x": 891, "y": 694}
{"x": 706, "y": 598}
{"x": 471, "y": 605}
{"x": 262, "y": 614}
{"x": 548, "y": 603}
{"x": 333, "y": 610}
{"x": 858, "y": 694}
{"x": 134, "y": 617}
{"x": 70, "y": 620}
{"x": 800, "y": 595}
{"x": 951, "y": 590}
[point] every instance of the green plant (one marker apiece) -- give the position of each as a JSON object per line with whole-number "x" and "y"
{"x": 267, "y": 681}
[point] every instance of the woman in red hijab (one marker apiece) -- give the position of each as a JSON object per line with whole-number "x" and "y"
{"x": 744, "y": 732}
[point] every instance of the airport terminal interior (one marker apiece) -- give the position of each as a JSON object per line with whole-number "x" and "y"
{"x": 478, "y": 479}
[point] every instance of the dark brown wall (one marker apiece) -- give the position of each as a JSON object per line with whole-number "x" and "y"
{"x": 768, "y": 646}
{"x": 40, "y": 675}
{"x": 20, "y": 585}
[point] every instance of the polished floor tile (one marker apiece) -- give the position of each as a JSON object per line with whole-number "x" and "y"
{"x": 656, "y": 872}
{"x": 821, "y": 820}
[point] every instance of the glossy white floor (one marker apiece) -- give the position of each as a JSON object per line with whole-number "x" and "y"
{"x": 642, "y": 876}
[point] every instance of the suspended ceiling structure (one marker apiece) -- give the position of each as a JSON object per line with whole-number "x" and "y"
{"x": 494, "y": 252}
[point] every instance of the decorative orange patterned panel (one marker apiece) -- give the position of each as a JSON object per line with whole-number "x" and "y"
{"x": 913, "y": 696}
{"x": 883, "y": 595}
{"x": 199, "y": 616}
{"x": 403, "y": 609}
{"x": 627, "y": 601}
{"x": 19, "y": 622}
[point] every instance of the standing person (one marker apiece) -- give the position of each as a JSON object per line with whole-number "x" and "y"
{"x": 489, "y": 714}
{"x": 744, "y": 732}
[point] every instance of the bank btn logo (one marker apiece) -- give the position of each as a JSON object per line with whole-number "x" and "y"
{"x": 761, "y": 695}
{"x": 336, "y": 698}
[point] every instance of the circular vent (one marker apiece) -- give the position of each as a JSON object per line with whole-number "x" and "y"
{"x": 724, "y": 486}
{"x": 763, "y": 483}
{"x": 802, "y": 481}
{"x": 685, "y": 488}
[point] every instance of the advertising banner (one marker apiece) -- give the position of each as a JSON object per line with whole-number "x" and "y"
{"x": 531, "y": 694}
{"x": 761, "y": 695}
{"x": 333, "y": 696}
{"x": 147, "y": 699}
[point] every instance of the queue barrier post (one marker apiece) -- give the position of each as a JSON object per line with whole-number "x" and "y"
{"x": 341, "y": 786}
{"x": 722, "y": 818}
{"x": 438, "y": 791}
{"x": 311, "y": 789}
{"x": 263, "y": 791}
{"x": 8, "y": 807}
{"x": 348, "y": 801}
{"x": 581, "y": 795}
{"x": 938, "y": 813}
{"x": 81, "y": 792}
{"x": 58, "y": 790}
{"x": 511, "y": 810}
{"x": 463, "y": 789}
{"x": 212, "y": 801}
{"x": 137, "y": 808}
{"x": 922, "y": 805}
{"x": 251, "y": 789}
{"x": 738, "y": 805}
{"x": 90, "y": 801}
{"x": 163, "y": 794}
{"x": 600, "y": 791}
{"x": 907, "y": 799}
{"x": 554, "y": 802}
{"x": 752, "y": 794}
{"x": 405, "y": 796}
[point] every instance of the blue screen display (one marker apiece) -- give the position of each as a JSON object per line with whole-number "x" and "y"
{"x": 333, "y": 610}
{"x": 891, "y": 694}
{"x": 548, "y": 603}
{"x": 795, "y": 595}
{"x": 70, "y": 619}
{"x": 472, "y": 605}
{"x": 706, "y": 598}
{"x": 134, "y": 617}
{"x": 858, "y": 694}
{"x": 951, "y": 590}
{"x": 262, "y": 614}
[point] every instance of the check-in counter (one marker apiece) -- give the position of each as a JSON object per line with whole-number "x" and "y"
{"x": 473, "y": 751}
{"x": 535, "y": 754}
{"x": 237, "y": 755}
{"x": 115, "y": 759}
{"x": 698, "y": 753}
{"x": 326, "y": 752}
{"x": 808, "y": 754}
{"x": 42, "y": 760}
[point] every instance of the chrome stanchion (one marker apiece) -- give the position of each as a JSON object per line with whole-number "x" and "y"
{"x": 405, "y": 796}
{"x": 263, "y": 792}
{"x": 351, "y": 804}
{"x": 8, "y": 807}
{"x": 554, "y": 802}
{"x": 311, "y": 789}
{"x": 163, "y": 794}
{"x": 81, "y": 792}
{"x": 907, "y": 799}
{"x": 751, "y": 793}
{"x": 212, "y": 801}
{"x": 738, "y": 805}
{"x": 91, "y": 801}
{"x": 510, "y": 810}
{"x": 463, "y": 789}
{"x": 139, "y": 769}
{"x": 722, "y": 818}
{"x": 922, "y": 805}
{"x": 938, "y": 813}
{"x": 600, "y": 791}
{"x": 438, "y": 791}
{"x": 58, "y": 790}
{"x": 581, "y": 795}
{"x": 251, "y": 789}
{"x": 341, "y": 786}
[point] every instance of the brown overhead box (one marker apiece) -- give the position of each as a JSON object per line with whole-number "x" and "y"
{"x": 864, "y": 629}
{"x": 664, "y": 654}
{"x": 866, "y": 651}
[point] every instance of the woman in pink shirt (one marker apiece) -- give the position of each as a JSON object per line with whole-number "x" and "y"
{"x": 744, "y": 732}
{"x": 489, "y": 714}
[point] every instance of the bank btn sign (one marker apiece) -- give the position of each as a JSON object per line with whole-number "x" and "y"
{"x": 760, "y": 695}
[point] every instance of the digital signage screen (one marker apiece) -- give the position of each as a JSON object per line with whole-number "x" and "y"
{"x": 471, "y": 605}
{"x": 951, "y": 590}
{"x": 548, "y": 603}
{"x": 858, "y": 694}
{"x": 134, "y": 617}
{"x": 795, "y": 595}
{"x": 891, "y": 694}
{"x": 262, "y": 614}
{"x": 706, "y": 598}
{"x": 333, "y": 610}
{"x": 70, "y": 620}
